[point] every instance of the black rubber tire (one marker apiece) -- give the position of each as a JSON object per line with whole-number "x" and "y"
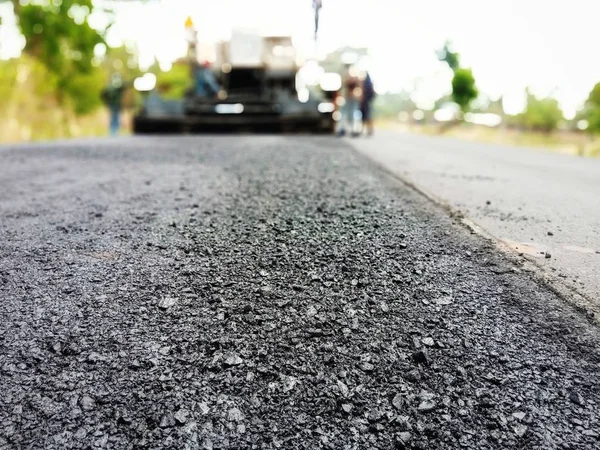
{"x": 141, "y": 126}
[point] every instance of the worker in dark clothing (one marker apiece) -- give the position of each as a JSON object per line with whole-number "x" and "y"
{"x": 352, "y": 94}
{"x": 112, "y": 95}
{"x": 206, "y": 83}
{"x": 366, "y": 104}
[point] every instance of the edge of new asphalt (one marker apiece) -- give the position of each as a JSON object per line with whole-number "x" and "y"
{"x": 527, "y": 263}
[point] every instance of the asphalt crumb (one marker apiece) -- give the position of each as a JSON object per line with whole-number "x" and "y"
{"x": 266, "y": 293}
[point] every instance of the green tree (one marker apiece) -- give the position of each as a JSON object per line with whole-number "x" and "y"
{"x": 464, "y": 90}
{"x": 450, "y": 57}
{"x": 174, "y": 82}
{"x": 57, "y": 33}
{"x": 541, "y": 114}
{"x": 124, "y": 60}
{"x": 28, "y": 101}
{"x": 591, "y": 111}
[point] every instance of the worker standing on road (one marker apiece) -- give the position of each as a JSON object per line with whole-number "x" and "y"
{"x": 156, "y": 99}
{"x": 366, "y": 103}
{"x": 206, "y": 83}
{"x": 352, "y": 95}
{"x": 112, "y": 95}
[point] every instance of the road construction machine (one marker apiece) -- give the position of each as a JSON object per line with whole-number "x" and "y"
{"x": 253, "y": 82}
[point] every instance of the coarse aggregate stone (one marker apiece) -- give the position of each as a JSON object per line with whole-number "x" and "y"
{"x": 268, "y": 292}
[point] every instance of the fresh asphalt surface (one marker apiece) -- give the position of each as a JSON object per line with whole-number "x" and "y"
{"x": 269, "y": 293}
{"x": 538, "y": 202}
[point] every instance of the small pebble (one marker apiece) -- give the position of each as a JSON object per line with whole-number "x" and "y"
{"x": 428, "y": 342}
{"x": 167, "y": 421}
{"x": 235, "y": 415}
{"x": 519, "y": 415}
{"x": 233, "y": 360}
{"x": 520, "y": 430}
{"x": 426, "y": 406}
{"x": 181, "y": 416}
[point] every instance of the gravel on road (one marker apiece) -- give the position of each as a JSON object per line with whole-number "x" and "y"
{"x": 541, "y": 204}
{"x": 268, "y": 293}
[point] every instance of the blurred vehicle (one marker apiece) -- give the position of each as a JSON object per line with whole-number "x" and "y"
{"x": 258, "y": 89}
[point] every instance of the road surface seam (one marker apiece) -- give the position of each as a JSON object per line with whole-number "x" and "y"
{"x": 569, "y": 294}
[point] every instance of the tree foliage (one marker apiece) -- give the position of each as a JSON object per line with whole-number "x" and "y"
{"x": 174, "y": 83}
{"x": 61, "y": 71}
{"x": 57, "y": 34}
{"x": 124, "y": 60}
{"x": 447, "y": 55}
{"x": 591, "y": 111}
{"x": 28, "y": 104}
{"x": 541, "y": 114}
{"x": 464, "y": 90}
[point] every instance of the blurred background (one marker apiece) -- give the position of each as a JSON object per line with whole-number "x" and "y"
{"x": 502, "y": 70}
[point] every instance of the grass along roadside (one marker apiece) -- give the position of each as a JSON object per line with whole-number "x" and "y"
{"x": 47, "y": 125}
{"x": 567, "y": 142}
{"x": 30, "y": 109}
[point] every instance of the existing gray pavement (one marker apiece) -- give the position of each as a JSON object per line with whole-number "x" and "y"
{"x": 540, "y": 203}
{"x": 268, "y": 293}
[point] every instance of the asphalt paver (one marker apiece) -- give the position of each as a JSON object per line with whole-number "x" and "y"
{"x": 268, "y": 293}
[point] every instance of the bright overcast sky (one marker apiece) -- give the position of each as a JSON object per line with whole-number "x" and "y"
{"x": 549, "y": 45}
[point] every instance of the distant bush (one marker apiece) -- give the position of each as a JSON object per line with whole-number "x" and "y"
{"x": 591, "y": 112}
{"x": 29, "y": 108}
{"x": 541, "y": 114}
{"x": 173, "y": 83}
{"x": 464, "y": 90}
{"x": 58, "y": 35}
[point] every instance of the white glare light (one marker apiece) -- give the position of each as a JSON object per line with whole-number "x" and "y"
{"x": 326, "y": 107}
{"x": 311, "y": 73}
{"x": 303, "y": 95}
{"x": 165, "y": 66}
{"x": 331, "y": 82}
{"x": 145, "y": 83}
{"x": 444, "y": 115}
{"x": 486, "y": 119}
{"x": 349, "y": 58}
{"x": 236, "y": 108}
{"x": 418, "y": 114}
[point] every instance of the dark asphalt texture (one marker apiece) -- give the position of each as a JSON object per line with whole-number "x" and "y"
{"x": 268, "y": 293}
